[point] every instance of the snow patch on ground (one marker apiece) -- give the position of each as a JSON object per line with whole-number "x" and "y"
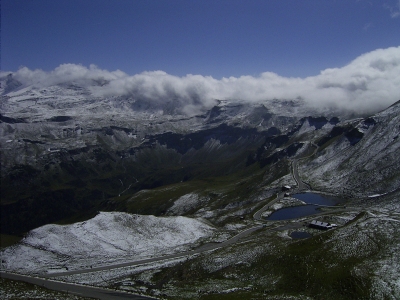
{"x": 205, "y": 213}
{"x": 285, "y": 202}
{"x": 186, "y": 203}
{"x": 361, "y": 165}
{"x": 225, "y": 258}
{"x": 234, "y": 227}
{"x": 375, "y": 237}
{"x": 282, "y": 181}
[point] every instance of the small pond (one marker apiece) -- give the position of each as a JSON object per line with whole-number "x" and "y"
{"x": 314, "y": 201}
{"x": 293, "y": 212}
{"x": 312, "y": 198}
{"x": 300, "y": 235}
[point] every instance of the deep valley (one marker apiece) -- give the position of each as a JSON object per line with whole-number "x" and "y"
{"x": 114, "y": 193}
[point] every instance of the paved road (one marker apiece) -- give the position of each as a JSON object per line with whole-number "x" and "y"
{"x": 295, "y": 172}
{"x": 79, "y": 290}
{"x": 257, "y": 215}
{"x": 99, "y": 293}
{"x": 108, "y": 294}
{"x": 296, "y": 177}
{"x": 300, "y": 186}
{"x": 204, "y": 248}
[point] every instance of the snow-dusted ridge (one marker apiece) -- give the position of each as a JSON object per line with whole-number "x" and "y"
{"x": 106, "y": 149}
{"x": 363, "y": 161}
{"x": 107, "y": 237}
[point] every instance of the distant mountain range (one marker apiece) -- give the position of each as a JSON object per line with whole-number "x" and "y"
{"x": 71, "y": 156}
{"x": 66, "y": 151}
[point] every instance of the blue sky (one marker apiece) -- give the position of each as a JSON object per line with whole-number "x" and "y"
{"x": 219, "y": 38}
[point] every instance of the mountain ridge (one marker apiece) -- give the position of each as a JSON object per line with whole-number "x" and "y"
{"x": 72, "y": 158}
{"x": 63, "y": 142}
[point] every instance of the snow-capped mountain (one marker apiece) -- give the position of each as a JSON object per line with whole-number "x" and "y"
{"x": 360, "y": 157}
{"x": 169, "y": 176}
{"x": 68, "y": 148}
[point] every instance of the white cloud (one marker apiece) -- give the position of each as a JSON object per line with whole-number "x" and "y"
{"x": 368, "y": 83}
{"x": 66, "y": 73}
{"x": 394, "y": 9}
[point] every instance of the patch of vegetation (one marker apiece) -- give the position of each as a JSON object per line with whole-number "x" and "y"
{"x": 220, "y": 191}
{"x": 15, "y": 290}
{"x": 308, "y": 268}
{"x": 74, "y": 185}
{"x": 267, "y": 266}
{"x": 323, "y": 144}
{"x": 79, "y": 217}
{"x": 8, "y": 240}
{"x": 13, "y": 186}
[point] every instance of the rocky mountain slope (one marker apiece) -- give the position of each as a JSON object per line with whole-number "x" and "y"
{"x": 360, "y": 157}
{"x": 66, "y": 150}
{"x": 163, "y": 178}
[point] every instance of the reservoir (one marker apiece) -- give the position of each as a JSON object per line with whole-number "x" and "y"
{"x": 313, "y": 202}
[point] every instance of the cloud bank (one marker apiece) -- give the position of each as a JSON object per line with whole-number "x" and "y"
{"x": 368, "y": 83}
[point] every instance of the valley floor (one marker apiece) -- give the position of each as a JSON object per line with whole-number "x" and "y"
{"x": 247, "y": 257}
{"x": 359, "y": 257}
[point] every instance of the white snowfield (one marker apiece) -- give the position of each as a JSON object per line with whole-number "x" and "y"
{"x": 107, "y": 237}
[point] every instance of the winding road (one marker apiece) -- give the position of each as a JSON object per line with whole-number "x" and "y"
{"x": 203, "y": 248}
{"x": 99, "y": 293}
{"x": 207, "y": 247}
{"x": 75, "y": 289}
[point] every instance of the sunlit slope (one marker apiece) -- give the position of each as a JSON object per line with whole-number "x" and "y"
{"x": 107, "y": 237}
{"x": 362, "y": 158}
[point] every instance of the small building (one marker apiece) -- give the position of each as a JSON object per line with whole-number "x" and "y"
{"x": 286, "y": 188}
{"x": 320, "y": 225}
